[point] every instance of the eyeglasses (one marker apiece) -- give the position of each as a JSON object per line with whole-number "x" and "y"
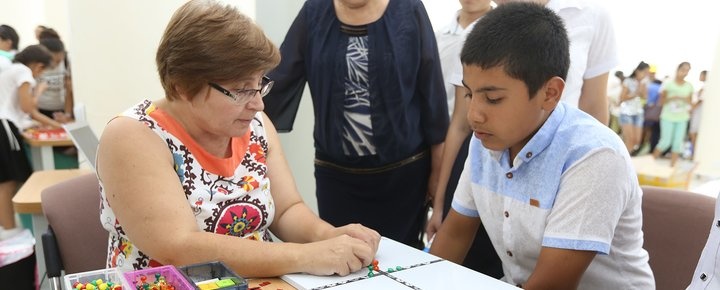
{"x": 242, "y": 97}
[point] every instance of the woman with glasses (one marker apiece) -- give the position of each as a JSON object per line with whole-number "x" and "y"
{"x": 200, "y": 176}
{"x": 380, "y": 109}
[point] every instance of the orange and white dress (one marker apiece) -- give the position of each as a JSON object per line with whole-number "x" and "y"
{"x": 229, "y": 196}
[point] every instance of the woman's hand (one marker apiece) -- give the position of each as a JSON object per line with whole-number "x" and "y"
{"x": 360, "y": 232}
{"x": 340, "y": 255}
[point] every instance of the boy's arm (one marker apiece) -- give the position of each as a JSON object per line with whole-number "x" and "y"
{"x": 453, "y": 240}
{"x": 559, "y": 269}
{"x": 593, "y": 196}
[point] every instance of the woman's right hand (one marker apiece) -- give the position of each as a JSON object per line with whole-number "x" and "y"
{"x": 340, "y": 255}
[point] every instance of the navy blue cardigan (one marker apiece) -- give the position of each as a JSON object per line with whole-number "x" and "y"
{"x": 408, "y": 102}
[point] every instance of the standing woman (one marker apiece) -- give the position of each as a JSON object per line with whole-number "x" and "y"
{"x": 676, "y": 98}
{"x": 380, "y": 109}
{"x": 631, "y": 107}
{"x": 16, "y": 104}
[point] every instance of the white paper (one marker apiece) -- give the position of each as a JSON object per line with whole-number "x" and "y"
{"x": 423, "y": 274}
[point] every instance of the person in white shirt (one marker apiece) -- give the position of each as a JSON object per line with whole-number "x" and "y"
{"x": 56, "y": 101}
{"x": 614, "y": 89}
{"x": 8, "y": 44}
{"x": 696, "y": 114}
{"x": 593, "y": 53}
{"x": 450, "y": 41}
{"x": 707, "y": 273}
{"x": 632, "y": 98}
{"x": 16, "y": 104}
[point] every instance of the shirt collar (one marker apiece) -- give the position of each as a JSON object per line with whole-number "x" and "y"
{"x": 453, "y": 27}
{"x": 544, "y": 136}
{"x": 537, "y": 144}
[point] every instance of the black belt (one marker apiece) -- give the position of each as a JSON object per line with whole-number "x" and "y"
{"x": 374, "y": 170}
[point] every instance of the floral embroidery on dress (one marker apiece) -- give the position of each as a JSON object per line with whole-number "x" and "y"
{"x": 239, "y": 205}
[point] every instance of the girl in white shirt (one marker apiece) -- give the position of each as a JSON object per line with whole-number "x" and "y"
{"x": 17, "y": 105}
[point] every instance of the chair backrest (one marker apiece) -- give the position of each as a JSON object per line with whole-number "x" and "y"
{"x": 72, "y": 209}
{"x": 676, "y": 224}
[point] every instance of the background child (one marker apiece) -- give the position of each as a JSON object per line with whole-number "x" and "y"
{"x": 56, "y": 100}
{"x": 8, "y": 45}
{"x": 676, "y": 99}
{"x": 552, "y": 186}
{"x": 16, "y": 105}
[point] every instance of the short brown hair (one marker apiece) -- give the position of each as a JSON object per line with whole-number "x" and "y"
{"x": 209, "y": 42}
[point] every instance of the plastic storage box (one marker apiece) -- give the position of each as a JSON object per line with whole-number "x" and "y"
{"x": 111, "y": 275}
{"x": 150, "y": 275}
{"x": 659, "y": 172}
{"x": 213, "y": 275}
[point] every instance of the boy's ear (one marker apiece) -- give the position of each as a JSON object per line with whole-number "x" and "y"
{"x": 553, "y": 91}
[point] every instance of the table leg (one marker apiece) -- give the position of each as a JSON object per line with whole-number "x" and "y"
{"x": 47, "y": 157}
{"x": 40, "y": 225}
{"x": 42, "y": 157}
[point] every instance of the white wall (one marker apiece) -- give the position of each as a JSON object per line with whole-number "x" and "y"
{"x": 298, "y": 144}
{"x": 25, "y": 15}
{"x": 113, "y": 55}
{"x": 708, "y": 140}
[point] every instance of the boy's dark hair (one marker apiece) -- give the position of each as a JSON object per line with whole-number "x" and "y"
{"x": 7, "y": 32}
{"x": 529, "y": 41}
{"x": 34, "y": 53}
{"x": 53, "y": 44}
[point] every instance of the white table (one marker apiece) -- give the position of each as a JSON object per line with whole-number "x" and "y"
{"x": 419, "y": 270}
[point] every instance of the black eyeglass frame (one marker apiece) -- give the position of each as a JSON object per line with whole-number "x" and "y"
{"x": 242, "y": 97}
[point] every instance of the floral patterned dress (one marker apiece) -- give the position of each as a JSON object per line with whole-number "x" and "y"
{"x": 228, "y": 196}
